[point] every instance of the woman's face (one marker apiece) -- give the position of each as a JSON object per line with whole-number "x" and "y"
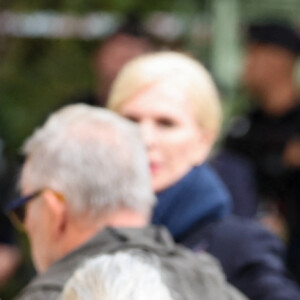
{"x": 175, "y": 143}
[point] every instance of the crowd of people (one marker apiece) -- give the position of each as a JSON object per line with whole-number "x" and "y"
{"x": 128, "y": 202}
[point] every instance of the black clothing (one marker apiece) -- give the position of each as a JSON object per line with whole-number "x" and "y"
{"x": 6, "y": 186}
{"x": 277, "y": 33}
{"x": 262, "y": 139}
{"x": 6, "y": 232}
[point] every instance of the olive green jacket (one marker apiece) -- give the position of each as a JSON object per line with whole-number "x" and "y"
{"x": 189, "y": 276}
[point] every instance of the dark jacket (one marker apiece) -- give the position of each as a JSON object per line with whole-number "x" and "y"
{"x": 238, "y": 174}
{"x": 251, "y": 257}
{"x": 263, "y": 140}
{"x": 188, "y": 276}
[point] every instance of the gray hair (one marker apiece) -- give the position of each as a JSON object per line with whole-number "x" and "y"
{"x": 120, "y": 276}
{"x": 95, "y": 158}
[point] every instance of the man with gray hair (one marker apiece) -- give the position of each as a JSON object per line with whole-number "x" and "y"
{"x": 86, "y": 191}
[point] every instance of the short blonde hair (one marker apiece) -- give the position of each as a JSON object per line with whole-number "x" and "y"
{"x": 180, "y": 70}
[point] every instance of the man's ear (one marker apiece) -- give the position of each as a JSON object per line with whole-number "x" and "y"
{"x": 58, "y": 212}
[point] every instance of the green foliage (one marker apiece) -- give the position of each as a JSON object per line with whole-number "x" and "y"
{"x": 35, "y": 77}
{"x": 84, "y": 6}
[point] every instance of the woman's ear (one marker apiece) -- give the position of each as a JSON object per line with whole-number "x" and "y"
{"x": 58, "y": 212}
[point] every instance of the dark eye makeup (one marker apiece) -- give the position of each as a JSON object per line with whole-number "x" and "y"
{"x": 133, "y": 119}
{"x": 160, "y": 121}
{"x": 166, "y": 122}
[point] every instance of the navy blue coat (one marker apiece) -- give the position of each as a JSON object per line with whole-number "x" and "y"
{"x": 256, "y": 268}
{"x": 196, "y": 210}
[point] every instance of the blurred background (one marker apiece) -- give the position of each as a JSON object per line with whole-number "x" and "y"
{"x": 49, "y": 57}
{"x": 46, "y": 47}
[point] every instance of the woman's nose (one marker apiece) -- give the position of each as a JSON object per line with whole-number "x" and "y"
{"x": 148, "y": 133}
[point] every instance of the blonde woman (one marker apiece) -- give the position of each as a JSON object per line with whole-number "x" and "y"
{"x": 175, "y": 101}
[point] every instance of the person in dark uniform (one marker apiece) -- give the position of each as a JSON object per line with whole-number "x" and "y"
{"x": 269, "y": 136}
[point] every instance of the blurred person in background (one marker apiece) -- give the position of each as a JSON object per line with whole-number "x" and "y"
{"x": 86, "y": 190}
{"x": 9, "y": 252}
{"x": 127, "y": 42}
{"x": 120, "y": 276}
{"x": 175, "y": 101}
{"x": 269, "y": 135}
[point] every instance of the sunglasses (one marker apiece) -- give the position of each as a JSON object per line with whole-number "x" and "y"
{"x": 16, "y": 210}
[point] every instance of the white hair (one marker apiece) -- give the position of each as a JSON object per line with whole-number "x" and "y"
{"x": 93, "y": 157}
{"x": 120, "y": 276}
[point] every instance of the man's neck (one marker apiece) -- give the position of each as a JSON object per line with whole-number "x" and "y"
{"x": 83, "y": 229}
